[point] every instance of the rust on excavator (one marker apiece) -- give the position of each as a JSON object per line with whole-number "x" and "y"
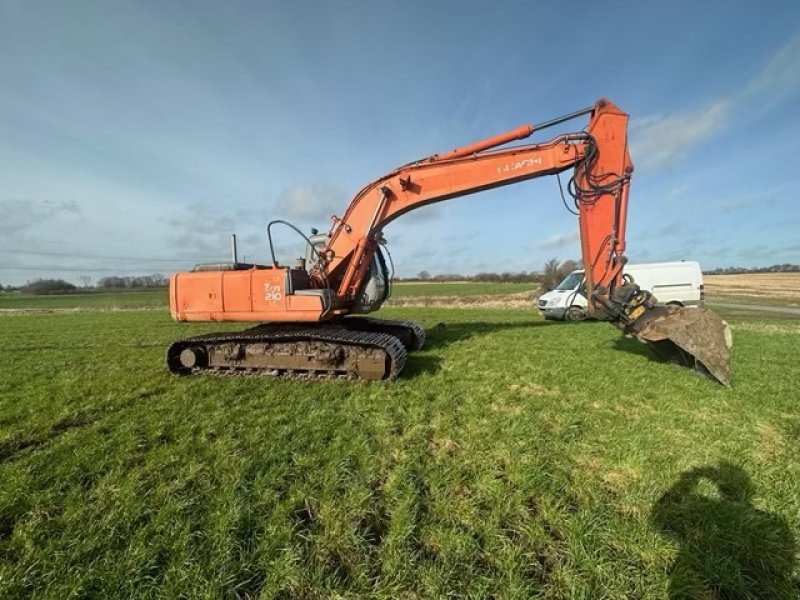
{"x": 693, "y": 337}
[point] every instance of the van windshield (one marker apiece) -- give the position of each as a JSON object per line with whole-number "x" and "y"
{"x": 571, "y": 281}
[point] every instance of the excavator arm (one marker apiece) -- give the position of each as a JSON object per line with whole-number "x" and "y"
{"x": 600, "y": 187}
{"x": 602, "y": 166}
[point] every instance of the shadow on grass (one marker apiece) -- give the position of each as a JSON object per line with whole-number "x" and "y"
{"x": 420, "y": 365}
{"x": 632, "y": 346}
{"x": 444, "y": 334}
{"x": 729, "y": 549}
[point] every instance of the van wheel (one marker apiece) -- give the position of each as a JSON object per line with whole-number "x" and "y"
{"x": 575, "y": 313}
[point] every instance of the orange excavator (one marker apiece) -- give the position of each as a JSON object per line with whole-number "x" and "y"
{"x": 310, "y": 314}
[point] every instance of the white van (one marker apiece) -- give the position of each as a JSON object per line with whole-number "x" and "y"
{"x": 679, "y": 283}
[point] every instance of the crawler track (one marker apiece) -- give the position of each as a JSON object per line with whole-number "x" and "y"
{"x": 353, "y": 348}
{"x": 410, "y": 333}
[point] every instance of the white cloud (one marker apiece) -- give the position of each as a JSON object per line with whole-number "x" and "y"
{"x": 313, "y": 203}
{"x": 739, "y": 203}
{"x": 666, "y": 230}
{"x": 658, "y": 141}
{"x": 19, "y": 215}
{"x": 678, "y": 191}
{"x": 782, "y": 71}
{"x": 202, "y": 231}
{"x": 559, "y": 240}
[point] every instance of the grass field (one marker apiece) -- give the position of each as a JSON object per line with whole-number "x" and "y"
{"x": 156, "y": 298}
{"x": 515, "y": 458}
{"x": 98, "y": 300}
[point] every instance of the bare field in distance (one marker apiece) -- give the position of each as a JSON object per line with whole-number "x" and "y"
{"x": 781, "y": 289}
{"x": 765, "y": 288}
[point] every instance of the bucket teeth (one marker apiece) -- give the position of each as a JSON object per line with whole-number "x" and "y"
{"x": 694, "y": 337}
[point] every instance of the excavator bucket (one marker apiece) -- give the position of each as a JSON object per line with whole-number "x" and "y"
{"x": 693, "y": 337}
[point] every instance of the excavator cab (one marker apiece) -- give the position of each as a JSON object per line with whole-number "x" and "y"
{"x": 375, "y": 288}
{"x": 315, "y": 246}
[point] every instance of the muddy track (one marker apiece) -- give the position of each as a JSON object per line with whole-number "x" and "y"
{"x": 354, "y": 348}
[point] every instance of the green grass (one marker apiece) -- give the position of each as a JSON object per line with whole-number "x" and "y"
{"x": 116, "y": 299}
{"x": 515, "y": 458}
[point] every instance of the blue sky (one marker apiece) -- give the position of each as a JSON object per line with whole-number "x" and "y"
{"x": 136, "y": 136}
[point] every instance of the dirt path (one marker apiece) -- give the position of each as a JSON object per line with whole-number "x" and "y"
{"x": 517, "y": 300}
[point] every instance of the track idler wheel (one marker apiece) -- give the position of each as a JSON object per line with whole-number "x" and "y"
{"x": 193, "y": 356}
{"x": 183, "y": 359}
{"x": 693, "y": 337}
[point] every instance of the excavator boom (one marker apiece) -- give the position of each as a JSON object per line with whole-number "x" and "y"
{"x": 603, "y": 169}
{"x": 346, "y": 274}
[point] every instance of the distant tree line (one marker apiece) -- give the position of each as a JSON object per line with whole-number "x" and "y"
{"x": 60, "y": 286}
{"x": 49, "y": 286}
{"x": 132, "y": 282}
{"x": 505, "y": 277}
{"x": 784, "y": 268}
{"x": 548, "y": 278}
